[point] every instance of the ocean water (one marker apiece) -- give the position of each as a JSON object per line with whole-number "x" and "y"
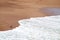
{"x": 54, "y": 11}
{"x": 40, "y": 28}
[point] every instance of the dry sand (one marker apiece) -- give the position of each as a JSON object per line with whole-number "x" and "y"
{"x": 13, "y": 10}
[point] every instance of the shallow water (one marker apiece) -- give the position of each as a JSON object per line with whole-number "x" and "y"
{"x": 54, "y": 11}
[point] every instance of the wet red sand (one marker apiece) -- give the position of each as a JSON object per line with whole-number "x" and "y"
{"x": 11, "y": 11}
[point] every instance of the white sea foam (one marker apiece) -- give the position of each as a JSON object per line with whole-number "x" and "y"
{"x": 40, "y": 28}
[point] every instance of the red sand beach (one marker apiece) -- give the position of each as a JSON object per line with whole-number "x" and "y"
{"x": 13, "y": 10}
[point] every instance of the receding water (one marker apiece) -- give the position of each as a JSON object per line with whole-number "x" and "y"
{"x": 55, "y": 11}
